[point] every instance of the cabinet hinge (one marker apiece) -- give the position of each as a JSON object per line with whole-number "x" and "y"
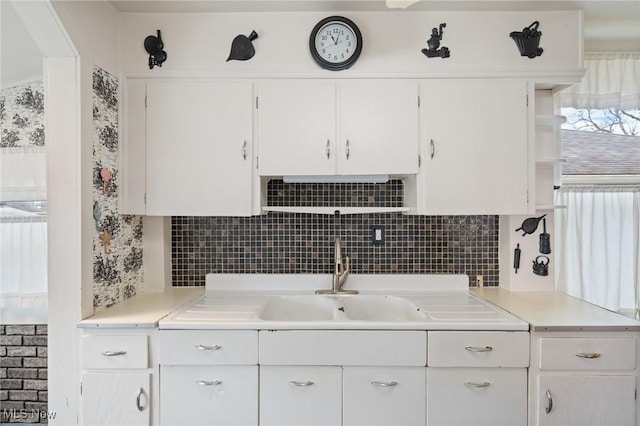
{"x": 527, "y": 100}
{"x": 80, "y": 388}
{"x": 419, "y": 161}
{"x": 256, "y": 102}
{"x": 527, "y": 197}
{"x": 145, "y": 198}
{"x": 145, "y": 101}
{"x": 257, "y": 162}
{"x": 418, "y": 101}
{"x": 635, "y": 394}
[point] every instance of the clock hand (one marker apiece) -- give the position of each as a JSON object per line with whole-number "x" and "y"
{"x": 334, "y": 40}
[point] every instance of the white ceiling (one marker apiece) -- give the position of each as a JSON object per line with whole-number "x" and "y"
{"x": 609, "y": 25}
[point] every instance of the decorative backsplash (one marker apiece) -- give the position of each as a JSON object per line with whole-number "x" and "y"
{"x": 117, "y": 244}
{"x": 303, "y": 243}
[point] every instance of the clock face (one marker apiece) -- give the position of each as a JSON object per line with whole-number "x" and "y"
{"x": 335, "y": 43}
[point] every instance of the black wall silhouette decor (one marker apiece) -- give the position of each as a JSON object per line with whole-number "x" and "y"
{"x": 242, "y": 47}
{"x": 433, "y": 49}
{"x": 528, "y": 40}
{"x": 154, "y": 47}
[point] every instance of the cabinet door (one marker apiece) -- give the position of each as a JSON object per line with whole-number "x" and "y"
{"x": 115, "y": 398}
{"x": 202, "y": 395}
{"x": 475, "y": 152}
{"x": 300, "y": 396}
{"x": 199, "y": 144}
{"x": 384, "y": 396}
{"x": 585, "y": 400}
{"x": 296, "y": 128}
{"x": 477, "y": 396}
{"x": 379, "y": 124}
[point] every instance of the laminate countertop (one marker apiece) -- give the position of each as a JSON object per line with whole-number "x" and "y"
{"x": 556, "y": 311}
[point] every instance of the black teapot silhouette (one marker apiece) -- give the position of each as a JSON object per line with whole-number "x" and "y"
{"x": 540, "y": 267}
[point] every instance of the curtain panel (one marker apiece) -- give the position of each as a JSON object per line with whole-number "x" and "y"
{"x": 612, "y": 80}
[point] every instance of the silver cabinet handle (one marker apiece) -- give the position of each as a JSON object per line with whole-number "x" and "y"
{"x": 589, "y": 355}
{"x": 113, "y": 353}
{"x": 208, "y": 347}
{"x": 477, "y": 384}
{"x": 209, "y": 382}
{"x": 139, "y": 405}
{"x": 347, "y": 149}
{"x": 549, "y": 406}
{"x": 384, "y": 384}
{"x": 432, "y": 144}
{"x": 301, "y": 384}
{"x": 478, "y": 349}
{"x": 244, "y": 150}
{"x": 328, "y": 149}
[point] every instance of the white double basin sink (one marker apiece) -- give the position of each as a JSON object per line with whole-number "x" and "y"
{"x": 340, "y": 307}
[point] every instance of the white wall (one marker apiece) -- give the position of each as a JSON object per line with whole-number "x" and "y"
{"x": 199, "y": 44}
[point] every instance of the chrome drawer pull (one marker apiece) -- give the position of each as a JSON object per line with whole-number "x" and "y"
{"x": 139, "y": 405}
{"x": 301, "y": 384}
{"x": 328, "y": 149}
{"x": 208, "y": 347}
{"x": 384, "y": 384}
{"x": 590, "y": 355}
{"x": 477, "y": 384}
{"x": 347, "y": 149}
{"x": 432, "y": 144}
{"x": 244, "y": 150}
{"x": 113, "y": 353}
{"x": 209, "y": 382}
{"x": 549, "y": 406}
{"x": 478, "y": 349}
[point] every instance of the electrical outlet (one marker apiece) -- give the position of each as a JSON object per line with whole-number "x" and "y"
{"x": 479, "y": 281}
{"x": 377, "y": 235}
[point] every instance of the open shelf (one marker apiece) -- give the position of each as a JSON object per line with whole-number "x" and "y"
{"x": 550, "y": 120}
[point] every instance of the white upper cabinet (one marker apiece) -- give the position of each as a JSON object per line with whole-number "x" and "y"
{"x": 346, "y": 128}
{"x": 475, "y": 151}
{"x": 199, "y": 148}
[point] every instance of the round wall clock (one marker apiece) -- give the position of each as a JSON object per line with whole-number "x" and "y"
{"x": 335, "y": 43}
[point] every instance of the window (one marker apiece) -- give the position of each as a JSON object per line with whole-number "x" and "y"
{"x": 598, "y": 233}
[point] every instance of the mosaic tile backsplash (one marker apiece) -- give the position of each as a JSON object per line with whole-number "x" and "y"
{"x": 303, "y": 243}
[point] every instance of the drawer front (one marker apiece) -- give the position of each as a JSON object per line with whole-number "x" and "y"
{"x": 208, "y": 347}
{"x": 115, "y": 352}
{"x": 209, "y": 395}
{"x": 343, "y": 347}
{"x": 477, "y": 396}
{"x": 587, "y": 354}
{"x": 478, "y": 349}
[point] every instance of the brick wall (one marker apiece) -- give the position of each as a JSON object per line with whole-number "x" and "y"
{"x": 23, "y": 373}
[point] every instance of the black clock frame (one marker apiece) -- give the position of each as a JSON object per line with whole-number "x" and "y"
{"x": 330, "y": 65}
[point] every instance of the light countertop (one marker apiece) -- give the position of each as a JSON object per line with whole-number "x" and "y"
{"x": 556, "y": 311}
{"x": 142, "y": 310}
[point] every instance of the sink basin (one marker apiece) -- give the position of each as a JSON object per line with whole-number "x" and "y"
{"x": 298, "y": 308}
{"x": 379, "y": 308}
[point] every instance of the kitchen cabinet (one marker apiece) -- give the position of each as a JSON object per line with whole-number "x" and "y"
{"x": 388, "y": 396}
{"x": 300, "y": 395}
{"x": 188, "y": 148}
{"x": 483, "y": 370}
{"x": 474, "y": 148}
{"x": 327, "y": 128}
{"x": 115, "y": 368}
{"x": 208, "y": 377}
{"x": 583, "y": 378}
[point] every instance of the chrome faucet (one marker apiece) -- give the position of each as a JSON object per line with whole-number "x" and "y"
{"x": 340, "y": 272}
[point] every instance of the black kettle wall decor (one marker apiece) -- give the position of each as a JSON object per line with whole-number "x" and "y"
{"x": 528, "y": 40}
{"x": 433, "y": 49}
{"x": 242, "y": 47}
{"x": 154, "y": 47}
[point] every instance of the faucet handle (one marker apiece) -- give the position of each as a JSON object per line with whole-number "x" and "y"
{"x": 346, "y": 264}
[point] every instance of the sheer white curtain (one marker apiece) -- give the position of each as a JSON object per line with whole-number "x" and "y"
{"x": 597, "y": 244}
{"x": 612, "y": 80}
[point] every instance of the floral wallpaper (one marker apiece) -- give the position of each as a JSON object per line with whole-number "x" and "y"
{"x": 117, "y": 244}
{"x": 22, "y": 115}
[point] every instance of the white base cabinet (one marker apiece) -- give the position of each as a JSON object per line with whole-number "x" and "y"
{"x": 383, "y": 396}
{"x": 477, "y": 396}
{"x": 300, "y": 395}
{"x": 116, "y": 398}
{"x": 209, "y": 395}
{"x": 566, "y": 400}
